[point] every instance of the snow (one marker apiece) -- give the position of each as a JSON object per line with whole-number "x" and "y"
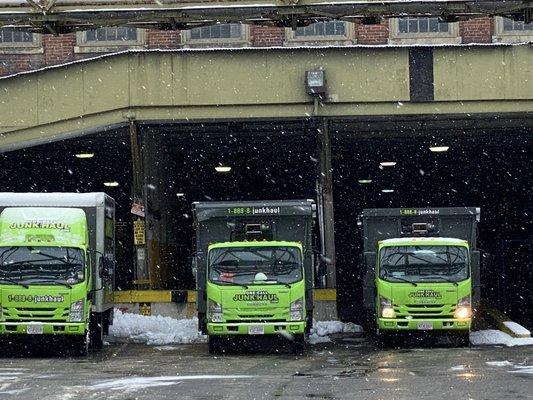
{"x": 154, "y": 330}
{"x": 458, "y": 368}
{"x": 499, "y": 363}
{"x": 163, "y": 331}
{"x": 322, "y": 329}
{"x": 517, "y": 329}
{"x": 496, "y": 337}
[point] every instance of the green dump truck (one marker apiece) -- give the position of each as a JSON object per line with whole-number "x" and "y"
{"x": 422, "y": 270}
{"x": 255, "y": 269}
{"x": 57, "y": 254}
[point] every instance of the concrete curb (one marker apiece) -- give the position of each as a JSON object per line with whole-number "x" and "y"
{"x": 506, "y": 325}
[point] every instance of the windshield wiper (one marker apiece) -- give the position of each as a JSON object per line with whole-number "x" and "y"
{"x": 52, "y": 281}
{"x": 444, "y": 278}
{"x": 400, "y": 278}
{"x": 5, "y": 278}
{"x": 230, "y": 283}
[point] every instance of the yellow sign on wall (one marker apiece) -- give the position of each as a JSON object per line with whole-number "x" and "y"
{"x": 138, "y": 233}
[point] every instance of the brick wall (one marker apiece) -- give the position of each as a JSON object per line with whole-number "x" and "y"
{"x": 477, "y": 30}
{"x": 56, "y": 50}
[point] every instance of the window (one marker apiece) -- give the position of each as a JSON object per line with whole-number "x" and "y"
{"x": 109, "y": 39}
{"x": 325, "y": 28}
{"x": 219, "y": 34}
{"x": 509, "y": 31}
{"x": 19, "y": 42}
{"x": 423, "y": 30}
{"x": 322, "y": 33}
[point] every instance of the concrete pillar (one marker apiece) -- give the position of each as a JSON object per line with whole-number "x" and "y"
{"x": 326, "y": 188}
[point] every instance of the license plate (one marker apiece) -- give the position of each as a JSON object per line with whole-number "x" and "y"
{"x": 425, "y": 326}
{"x": 256, "y": 330}
{"x": 34, "y": 329}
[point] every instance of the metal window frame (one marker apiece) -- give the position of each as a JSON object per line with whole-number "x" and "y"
{"x": 241, "y": 41}
{"x": 395, "y": 37}
{"x": 84, "y": 46}
{"x": 503, "y": 36}
{"x": 33, "y": 47}
{"x": 348, "y": 38}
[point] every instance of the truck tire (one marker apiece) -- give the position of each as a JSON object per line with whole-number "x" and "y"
{"x": 81, "y": 345}
{"x": 215, "y": 345}
{"x": 96, "y": 329}
{"x": 298, "y": 345}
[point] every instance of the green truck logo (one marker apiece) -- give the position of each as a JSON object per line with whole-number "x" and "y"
{"x": 259, "y": 295}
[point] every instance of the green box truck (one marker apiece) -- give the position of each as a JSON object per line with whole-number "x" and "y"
{"x": 254, "y": 269}
{"x": 422, "y": 270}
{"x": 57, "y": 255}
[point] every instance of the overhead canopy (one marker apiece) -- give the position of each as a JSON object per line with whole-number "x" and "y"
{"x": 60, "y": 16}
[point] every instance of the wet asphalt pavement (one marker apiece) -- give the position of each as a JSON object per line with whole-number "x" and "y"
{"x": 349, "y": 368}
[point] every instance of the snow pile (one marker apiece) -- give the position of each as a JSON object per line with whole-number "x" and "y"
{"x": 154, "y": 330}
{"x": 496, "y": 337}
{"x": 322, "y": 329}
{"x": 518, "y": 369}
{"x": 518, "y": 329}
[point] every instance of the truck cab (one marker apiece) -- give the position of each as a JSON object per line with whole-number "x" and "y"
{"x": 255, "y": 270}
{"x": 44, "y": 272}
{"x": 423, "y": 284}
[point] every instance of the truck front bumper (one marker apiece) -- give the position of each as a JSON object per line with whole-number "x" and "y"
{"x": 246, "y": 328}
{"x": 48, "y": 328}
{"x": 391, "y": 324}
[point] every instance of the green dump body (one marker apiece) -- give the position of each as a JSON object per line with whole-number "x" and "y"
{"x": 422, "y": 269}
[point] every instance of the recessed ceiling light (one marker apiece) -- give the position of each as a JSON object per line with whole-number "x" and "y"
{"x": 387, "y": 190}
{"x": 364, "y": 181}
{"x": 84, "y": 155}
{"x": 439, "y": 149}
{"x": 111, "y": 184}
{"x": 223, "y": 169}
{"x": 387, "y": 163}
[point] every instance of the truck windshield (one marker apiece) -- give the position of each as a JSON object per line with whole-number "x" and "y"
{"x": 424, "y": 263}
{"x": 255, "y": 265}
{"x": 34, "y": 265}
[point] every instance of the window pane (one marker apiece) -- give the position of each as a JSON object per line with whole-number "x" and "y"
{"x": 323, "y": 28}
{"x": 423, "y": 25}
{"x": 112, "y": 34}
{"x": 413, "y": 25}
{"x": 9, "y": 36}
{"x": 433, "y": 25}
{"x": 402, "y": 25}
{"x": 218, "y": 31}
{"x": 443, "y": 27}
{"x": 510, "y": 25}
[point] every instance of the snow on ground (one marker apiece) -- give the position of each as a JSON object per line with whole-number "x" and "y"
{"x": 322, "y": 329}
{"x": 160, "y": 331}
{"x": 518, "y": 369}
{"x": 154, "y": 330}
{"x": 517, "y": 328}
{"x": 499, "y": 363}
{"x": 496, "y": 337}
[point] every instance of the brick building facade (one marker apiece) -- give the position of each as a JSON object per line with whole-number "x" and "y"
{"x": 22, "y": 51}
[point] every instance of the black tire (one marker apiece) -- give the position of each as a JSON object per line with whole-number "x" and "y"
{"x": 298, "y": 345}
{"x": 96, "y": 329}
{"x": 215, "y": 345}
{"x": 80, "y": 345}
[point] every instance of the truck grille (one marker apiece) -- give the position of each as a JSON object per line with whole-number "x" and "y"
{"x": 424, "y": 311}
{"x": 20, "y": 314}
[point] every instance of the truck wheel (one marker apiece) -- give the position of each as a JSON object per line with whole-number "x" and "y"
{"x": 215, "y": 345}
{"x": 298, "y": 345}
{"x": 81, "y": 345}
{"x": 96, "y": 328}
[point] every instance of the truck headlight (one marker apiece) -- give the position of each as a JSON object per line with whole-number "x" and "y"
{"x": 76, "y": 311}
{"x": 296, "y": 310}
{"x": 387, "y": 311}
{"x": 464, "y": 309}
{"x": 215, "y": 311}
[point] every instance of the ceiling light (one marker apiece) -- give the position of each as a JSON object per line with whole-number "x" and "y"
{"x": 387, "y": 190}
{"x": 364, "y": 181}
{"x": 439, "y": 149}
{"x": 111, "y": 184}
{"x": 85, "y": 155}
{"x": 180, "y": 194}
{"x": 387, "y": 163}
{"x": 223, "y": 169}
